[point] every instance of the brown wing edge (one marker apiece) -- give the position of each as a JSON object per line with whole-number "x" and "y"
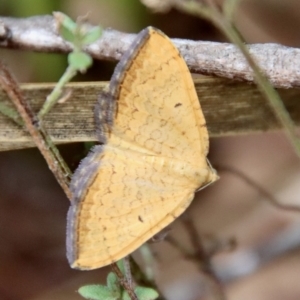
{"x": 107, "y": 105}
{"x": 82, "y": 178}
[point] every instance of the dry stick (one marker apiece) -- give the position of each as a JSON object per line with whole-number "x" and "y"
{"x": 124, "y": 282}
{"x": 36, "y": 130}
{"x": 127, "y": 269}
{"x": 268, "y": 196}
{"x": 128, "y": 275}
{"x": 218, "y": 246}
{"x": 204, "y": 258}
{"x": 201, "y": 257}
{"x": 279, "y": 62}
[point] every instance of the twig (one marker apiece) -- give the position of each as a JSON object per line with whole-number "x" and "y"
{"x": 55, "y": 162}
{"x": 267, "y": 196}
{"x": 52, "y": 98}
{"x": 200, "y": 256}
{"x": 128, "y": 275}
{"x": 203, "y": 257}
{"x": 280, "y": 64}
{"x": 123, "y": 281}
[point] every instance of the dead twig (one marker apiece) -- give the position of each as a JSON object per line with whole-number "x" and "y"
{"x": 203, "y": 257}
{"x": 279, "y": 63}
{"x": 35, "y": 127}
{"x": 266, "y": 195}
{"x": 124, "y": 282}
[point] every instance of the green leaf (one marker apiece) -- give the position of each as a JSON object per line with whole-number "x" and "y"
{"x": 80, "y": 61}
{"x": 66, "y": 26}
{"x": 113, "y": 283}
{"x": 144, "y": 293}
{"x": 125, "y": 296}
{"x": 67, "y": 34}
{"x": 92, "y": 35}
{"x": 97, "y": 292}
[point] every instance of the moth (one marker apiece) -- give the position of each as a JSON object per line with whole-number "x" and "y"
{"x": 152, "y": 157}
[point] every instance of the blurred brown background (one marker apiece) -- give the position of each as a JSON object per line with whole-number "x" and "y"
{"x": 266, "y": 262}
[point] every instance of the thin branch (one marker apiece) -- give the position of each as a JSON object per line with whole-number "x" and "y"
{"x": 124, "y": 282}
{"x": 35, "y": 128}
{"x": 203, "y": 257}
{"x": 200, "y": 256}
{"x": 279, "y": 63}
{"x": 127, "y": 271}
{"x": 267, "y": 196}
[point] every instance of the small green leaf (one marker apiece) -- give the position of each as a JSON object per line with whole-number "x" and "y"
{"x": 125, "y": 296}
{"x": 80, "y": 61}
{"x": 97, "y": 292}
{"x": 92, "y": 35}
{"x": 144, "y": 293}
{"x": 66, "y": 26}
{"x": 113, "y": 283}
{"x": 67, "y": 34}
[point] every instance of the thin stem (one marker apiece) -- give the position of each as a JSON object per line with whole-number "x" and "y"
{"x": 267, "y": 196}
{"x": 123, "y": 281}
{"x": 203, "y": 259}
{"x": 35, "y": 128}
{"x": 127, "y": 269}
{"x": 57, "y": 91}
